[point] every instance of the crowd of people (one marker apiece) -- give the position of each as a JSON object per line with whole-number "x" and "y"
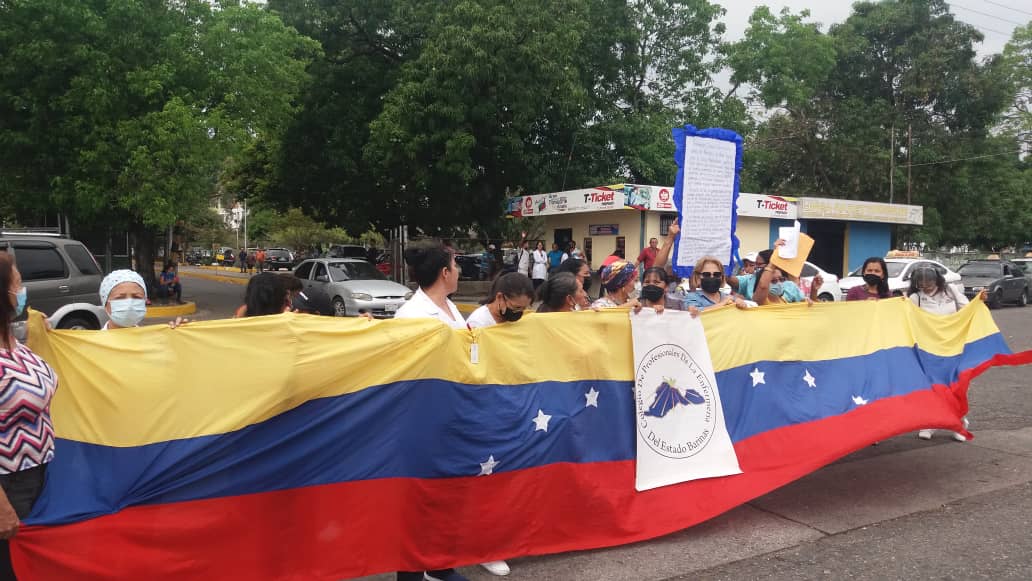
{"x": 556, "y": 281}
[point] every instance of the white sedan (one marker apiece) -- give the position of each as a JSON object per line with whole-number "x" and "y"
{"x": 900, "y": 270}
{"x": 829, "y": 291}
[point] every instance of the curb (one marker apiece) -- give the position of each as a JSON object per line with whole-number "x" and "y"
{"x": 216, "y": 277}
{"x": 161, "y": 311}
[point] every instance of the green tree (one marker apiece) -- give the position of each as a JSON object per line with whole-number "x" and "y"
{"x": 123, "y": 110}
{"x": 1017, "y": 69}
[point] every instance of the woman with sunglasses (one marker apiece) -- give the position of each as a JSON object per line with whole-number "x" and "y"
{"x": 707, "y": 280}
{"x": 511, "y": 295}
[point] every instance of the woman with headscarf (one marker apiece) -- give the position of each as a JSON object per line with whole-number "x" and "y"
{"x": 619, "y": 279}
{"x": 561, "y": 293}
{"x": 26, "y": 430}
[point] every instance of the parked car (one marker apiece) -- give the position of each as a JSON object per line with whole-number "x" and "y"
{"x": 345, "y": 286}
{"x": 829, "y": 291}
{"x": 348, "y": 251}
{"x": 277, "y": 258}
{"x": 899, "y": 273}
{"x": 1004, "y": 281}
{"x": 62, "y": 279}
{"x": 470, "y": 267}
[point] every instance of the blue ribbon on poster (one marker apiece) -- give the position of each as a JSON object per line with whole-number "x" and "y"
{"x": 717, "y": 218}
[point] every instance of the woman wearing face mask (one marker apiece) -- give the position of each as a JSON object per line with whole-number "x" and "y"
{"x": 653, "y": 289}
{"x": 26, "y": 430}
{"x": 707, "y": 279}
{"x": 876, "y": 285}
{"x": 511, "y": 294}
{"x": 773, "y": 288}
{"x": 124, "y": 296}
{"x": 929, "y": 291}
{"x": 619, "y": 279}
{"x": 580, "y": 269}
{"x": 561, "y": 293}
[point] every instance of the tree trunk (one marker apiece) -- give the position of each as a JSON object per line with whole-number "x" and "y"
{"x": 144, "y": 243}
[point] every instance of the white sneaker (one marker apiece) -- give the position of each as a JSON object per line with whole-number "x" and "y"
{"x": 959, "y": 437}
{"x": 499, "y": 568}
{"x": 925, "y": 434}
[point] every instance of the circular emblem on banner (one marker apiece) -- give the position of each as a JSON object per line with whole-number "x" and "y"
{"x": 675, "y": 404}
{"x": 664, "y": 195}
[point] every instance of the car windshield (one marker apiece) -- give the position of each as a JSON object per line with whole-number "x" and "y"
{"x": 980, "y": 269}
{"x": 356, "y": 270}
{"x": 278, "y": 252}
{"x": 895, "y": 268}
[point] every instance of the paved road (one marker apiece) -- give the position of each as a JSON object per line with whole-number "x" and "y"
{"x": 906, "y": 509}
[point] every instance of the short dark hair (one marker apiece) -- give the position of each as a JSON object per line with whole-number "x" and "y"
{"x": 266, "y": 294}
{"x": 570, "y": 265}
{"x": 553, "y": 292}
{"x": 425, "y": 261}
{"x": 291, "y": 283}
{"x": 511, "y": 284}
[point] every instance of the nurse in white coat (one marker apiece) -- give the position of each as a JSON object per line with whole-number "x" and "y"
{"x": 434, "y": 270}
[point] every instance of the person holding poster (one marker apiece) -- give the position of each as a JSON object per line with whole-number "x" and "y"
{"x": 773, "y": 287}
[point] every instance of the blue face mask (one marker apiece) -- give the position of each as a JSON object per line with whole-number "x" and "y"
{"x": 776, "y": 289}
{"x": 21, "y": 296}
{"x": 128, "y": 312}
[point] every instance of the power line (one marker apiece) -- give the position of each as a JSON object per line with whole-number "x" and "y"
{"x": 940, "y": 162}
{"x": 1007, "y": 20}
{"x": 1007, "y": 7}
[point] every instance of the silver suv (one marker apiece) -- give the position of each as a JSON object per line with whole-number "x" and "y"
{"x": 61, "y": 276}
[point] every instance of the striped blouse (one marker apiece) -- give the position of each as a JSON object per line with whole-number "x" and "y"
{"x": 27, "y": 383}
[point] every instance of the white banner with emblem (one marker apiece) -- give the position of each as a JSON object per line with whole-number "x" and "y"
{"x": 679, "y": 419}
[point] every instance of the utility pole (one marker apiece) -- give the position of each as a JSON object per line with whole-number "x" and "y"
{"x": 245, "y": 223}
{"x": 892, "y": 164}
{"x": 910, "y": 142}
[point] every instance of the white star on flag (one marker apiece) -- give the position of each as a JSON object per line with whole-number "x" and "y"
{"x": 487, "y": 468}
{"x": 859, "y": 400}
{"x": 757, "y": 377}
{"x": 541, "y": 421}
{"x": 809, "y": 379}
{"x": 591, "y": 398}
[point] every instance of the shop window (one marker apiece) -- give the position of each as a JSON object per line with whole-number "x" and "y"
{"x": 665, "y": 220}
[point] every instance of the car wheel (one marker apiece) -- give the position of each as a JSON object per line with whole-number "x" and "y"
{"x": 79, "y": 323}
{"x": 339, "y": 308}
{"x": 825, "y": 298}
{"x": 1023, "y": 299}
{"x": 996, "y": 300}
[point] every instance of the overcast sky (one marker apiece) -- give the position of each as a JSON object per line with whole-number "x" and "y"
{"x": 997, "y": 19}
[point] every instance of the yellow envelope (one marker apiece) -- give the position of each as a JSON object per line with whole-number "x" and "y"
{"x": 794, "y": 266}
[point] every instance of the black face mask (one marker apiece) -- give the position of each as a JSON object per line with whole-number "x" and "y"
{"x": 587, "y": 284}
{"x": 872, "y": 279}
{"x": 510, "y": 315}
{"x": 711, "y": 284}
{"x": 652, "y": 293}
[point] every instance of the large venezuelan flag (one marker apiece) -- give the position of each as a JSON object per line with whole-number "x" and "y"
{"x": 299, "y": 447}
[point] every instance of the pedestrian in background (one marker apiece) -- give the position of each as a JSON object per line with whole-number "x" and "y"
{"x": 260, "y": 260}
{"x": 523, "y": 259}
{"x": 243, "y": 260}
{"x": 647, "y": 256}
{"x": 539, "y": 265}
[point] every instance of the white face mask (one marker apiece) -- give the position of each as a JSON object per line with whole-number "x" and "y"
{"x": 128, "y": 312}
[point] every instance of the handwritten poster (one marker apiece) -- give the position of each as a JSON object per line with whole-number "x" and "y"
{"x": 705, "y": 195}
